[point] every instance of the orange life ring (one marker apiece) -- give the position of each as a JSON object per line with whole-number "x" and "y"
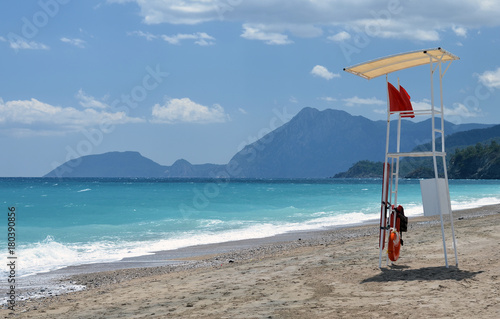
{"x": 394, "y": 245}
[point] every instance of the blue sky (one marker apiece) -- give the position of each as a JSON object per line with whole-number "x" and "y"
{"x": 199, "y": 79}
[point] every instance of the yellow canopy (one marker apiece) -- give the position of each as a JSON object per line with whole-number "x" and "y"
{"x": 382, "y": 66}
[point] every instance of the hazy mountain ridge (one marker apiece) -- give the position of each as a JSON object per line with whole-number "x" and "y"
{"x": 130, "y": 164}
{"x": 313, "y": 144}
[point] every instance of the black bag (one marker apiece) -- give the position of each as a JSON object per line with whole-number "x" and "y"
{"x": 403, "y": 220}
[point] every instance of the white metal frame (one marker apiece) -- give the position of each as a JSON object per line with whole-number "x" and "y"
{"x": 435, "y": 61}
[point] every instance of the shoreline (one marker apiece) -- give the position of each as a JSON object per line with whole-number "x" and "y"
{"x": 216, "y": 256}
{"x": 172, "y": 257}
{"x": 210, "y": 255}
{"x": 76, "y": 278}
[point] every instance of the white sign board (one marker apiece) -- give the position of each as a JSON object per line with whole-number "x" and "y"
{"x": 435, "y": 196}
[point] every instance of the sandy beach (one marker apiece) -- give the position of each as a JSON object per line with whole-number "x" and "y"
{"x": 326, "y": 274}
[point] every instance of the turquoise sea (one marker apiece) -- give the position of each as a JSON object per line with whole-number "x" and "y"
{"x": 63, "y": 222}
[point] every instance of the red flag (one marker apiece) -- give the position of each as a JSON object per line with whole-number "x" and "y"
{"x": 399, "y": 101}
{"x": 406, "y": 103}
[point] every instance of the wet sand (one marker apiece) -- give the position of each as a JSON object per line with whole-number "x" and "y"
{"x": 324, "y": 274}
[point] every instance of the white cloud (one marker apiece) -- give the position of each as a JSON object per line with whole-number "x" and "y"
{"x": 185, "y": 110}
{"x": 31, "y": 115}
{"x": 424, "y": 104}
{"x": 299, "y": 30}
{"x": 459, "y": 110}
{"x": 242, "y": 111}
{"x": 204, "y": 39}
{"x": 146, "y": 35}
{"x": 361, "y": 101}
{"x": 79, "y": 43}
{"x": 258, "y": 32}
{"x": 462, "y": 111}
{"x": 88, "y": 101}
{"x": 394, "y": 19}
{"x": 393, "y": 28}
{"x": 327, "y": 99}
{"x": 380, "y": 111}
{"x": 460, "y": 31}
{"x": 339, "y": 37}
{"x": 199, "y": 38}
{"x": 176, "y": 39}
{"x": 323, "y": 72}
{"x": 22, "y": 44}
{"x": 3, "y": 39}
{"x": 490, "y": 79}
{"x": 178, "y": 11}
{"x": 420, "y": 35}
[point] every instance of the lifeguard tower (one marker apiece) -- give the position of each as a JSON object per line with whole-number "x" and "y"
{"x": 435, "y": 191}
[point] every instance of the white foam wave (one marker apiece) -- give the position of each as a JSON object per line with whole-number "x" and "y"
{"x": 474, "y": 203}
{"x": 50, "y": 254}
{"x": 260, "y": 230}
{"x": 412, "y": 210}
{"x": 84, "y": 190}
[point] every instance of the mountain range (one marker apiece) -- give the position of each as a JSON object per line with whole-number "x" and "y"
{"x": 313, "y": 144}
